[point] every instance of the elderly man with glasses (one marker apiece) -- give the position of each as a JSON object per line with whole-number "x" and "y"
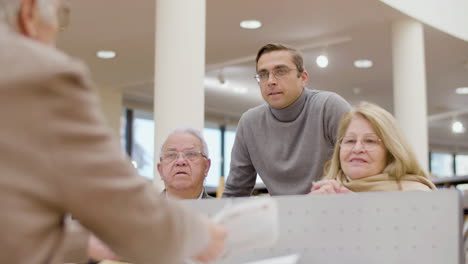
{"x": 58, "y": 158}
{"x": 184, "y": 164}
{"x": 287, "y": 140}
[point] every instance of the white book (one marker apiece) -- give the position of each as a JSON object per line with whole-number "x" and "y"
{"x": 290, "y": 259}
{"x": 250, "y": 224}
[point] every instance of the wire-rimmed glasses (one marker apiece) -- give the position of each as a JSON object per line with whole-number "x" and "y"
{"x": 278, "y": 73}
{"x": 369, "y": 143}
{"x": 191, "y": 155}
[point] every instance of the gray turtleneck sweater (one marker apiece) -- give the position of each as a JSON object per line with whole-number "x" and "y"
{"x": 286, "y": 147}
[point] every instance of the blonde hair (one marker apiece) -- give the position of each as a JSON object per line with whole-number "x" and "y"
{"x": 401, "y": 160}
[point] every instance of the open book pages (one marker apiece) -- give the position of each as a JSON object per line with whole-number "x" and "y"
{"x": 249, "y": 224}
{"x": 290, "y": 259}
{"x": 112, "y": 262}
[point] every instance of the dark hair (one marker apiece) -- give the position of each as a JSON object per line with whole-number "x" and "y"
{"x": 295, "y": 54}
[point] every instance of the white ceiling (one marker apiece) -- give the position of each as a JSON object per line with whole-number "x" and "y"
{"x": 353, "y": 29}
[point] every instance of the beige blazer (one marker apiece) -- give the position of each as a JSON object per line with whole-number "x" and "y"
{"x": 57, "y": 156}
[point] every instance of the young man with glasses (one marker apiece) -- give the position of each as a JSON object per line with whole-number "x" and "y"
{"x": 184, "y": 164}
{"x": 58, "y": 157}
{"x": 288, "y": 140}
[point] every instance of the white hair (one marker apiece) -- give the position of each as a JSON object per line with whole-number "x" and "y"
{"x": 191, "y": 131}
{"x": 9, "y": 10}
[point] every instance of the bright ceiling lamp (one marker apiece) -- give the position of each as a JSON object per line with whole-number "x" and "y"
{"x": 322, "y": 61}
{"x": 106, "y": 54}
{"x": 363, "y": 64}
{"x": 240, "y": 90}
{"x": 457, "y": 127}
{"x": 462, "y": 90}
{"x": 222, "y": 79}
{"x": 250, "y": 24}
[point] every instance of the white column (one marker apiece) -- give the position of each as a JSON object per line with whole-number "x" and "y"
{"x": 409, "y": 85}
{"x": 179, "y": 68}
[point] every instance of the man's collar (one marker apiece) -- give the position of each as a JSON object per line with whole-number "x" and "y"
{"x": 202, "y": 195}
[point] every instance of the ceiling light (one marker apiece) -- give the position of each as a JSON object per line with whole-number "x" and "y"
{"x": 240, "y": 90}
{"x": 222, "y": 80}
{"x": 106, "y": 54}
{"x": 457, "y": 127}
{"x": 363, "y": 64}
{"x": 322, "y": 61}
{"x": 462, "y": 90}
{"x": 250, "y": 24}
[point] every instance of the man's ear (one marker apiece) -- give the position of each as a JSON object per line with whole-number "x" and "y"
{"x": 208, "y": 165}
{"x": 304, "y": 78}
{"x": 160, "y": 171}
{"x": 27, "y": 18}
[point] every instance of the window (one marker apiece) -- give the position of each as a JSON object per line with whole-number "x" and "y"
{"x": 229, "y": 138}
{"x": 442, "y": 164}
{"x": 461, "y": 164}
{"x": 212, "y": 137}
{"x": 143, "y": 143}
{"x": 123, "y": 126}
{"x": 142, "y": 146}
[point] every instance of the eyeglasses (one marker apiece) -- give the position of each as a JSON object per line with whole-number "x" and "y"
{"x": 369, "y": 143}
{"x": 192, "y": 155}
{"x": 263, "y": 76}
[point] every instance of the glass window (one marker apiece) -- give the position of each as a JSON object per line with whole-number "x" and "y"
{"x": 143, "y": 143}
{"x": 123, "y": 126}
{"x": 212, "y": 137}
{"x": 143, "y": 147}
{"x": 461, "y": 164}
{"x": 462, "y": 187}
{"x": 229, "y": 138}
{"x": 442, "y": 164}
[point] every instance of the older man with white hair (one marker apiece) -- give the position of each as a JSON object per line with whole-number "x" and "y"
{"x": 184, "y": 164}
{"x": 58, "y": 157}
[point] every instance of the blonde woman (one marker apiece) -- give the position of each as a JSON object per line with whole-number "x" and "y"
{"x": 371, "y": 155}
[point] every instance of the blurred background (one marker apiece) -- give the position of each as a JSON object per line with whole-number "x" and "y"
{"x": 347, "y": 48}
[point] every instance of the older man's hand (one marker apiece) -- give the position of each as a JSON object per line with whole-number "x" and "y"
{"x": 217, "y": 243}
{"x": 328, "y": 187}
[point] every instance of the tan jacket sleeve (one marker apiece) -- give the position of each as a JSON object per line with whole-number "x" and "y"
{"x": 75, "y": 245}
{"x": 98, "y": 185}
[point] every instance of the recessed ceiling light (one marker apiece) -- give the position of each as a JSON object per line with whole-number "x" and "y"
{"x": 322, "y": 61}
{"x": 106, "y": 54}
{"x": 250, "y": 24}
{"x": 240, "y": 90}
{"x": 363, "y": 63}
{"x": 457, "y": 127}
{"x": 462, "y": 90}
